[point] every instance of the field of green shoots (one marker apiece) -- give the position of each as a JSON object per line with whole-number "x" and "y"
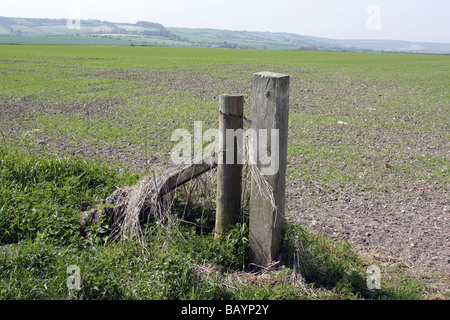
{"x": 367, "y": 179}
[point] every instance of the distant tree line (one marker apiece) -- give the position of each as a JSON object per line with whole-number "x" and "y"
{"x": 6, "y": 21}
{"x": 164, "y": 34}
{"x": 147, "y": 24}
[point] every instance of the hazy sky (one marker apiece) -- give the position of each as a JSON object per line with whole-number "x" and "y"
{"x": 413, "y": 20}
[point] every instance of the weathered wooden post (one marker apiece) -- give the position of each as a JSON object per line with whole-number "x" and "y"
{"x": 229, "y": 162}
{"x": 267, "y": 202}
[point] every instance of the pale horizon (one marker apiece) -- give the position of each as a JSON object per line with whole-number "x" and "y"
{"x": 416, "y": 21}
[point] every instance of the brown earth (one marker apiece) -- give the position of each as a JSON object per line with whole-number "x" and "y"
{"x": 412, "y": 225}
{"x": 413, "y": 228}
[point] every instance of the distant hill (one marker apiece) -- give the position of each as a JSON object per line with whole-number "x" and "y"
{"x": 97, "y": 32}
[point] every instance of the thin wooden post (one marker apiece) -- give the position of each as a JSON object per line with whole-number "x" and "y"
{"x": 183, "y": 176}
{"x": 267, "y": 202}
{"x": 229, "y": 168}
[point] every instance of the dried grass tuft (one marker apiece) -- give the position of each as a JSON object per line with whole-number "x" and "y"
{"x": 150, "y": 199}
{"x": 127, "y": 208}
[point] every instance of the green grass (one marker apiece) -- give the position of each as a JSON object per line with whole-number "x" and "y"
{"x": 84, "y": 120}
{"x": 122, "y": 96}
{"x": 42, "y": 197}
{"x": 40, "y": 205}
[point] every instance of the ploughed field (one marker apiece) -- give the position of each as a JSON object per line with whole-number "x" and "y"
{"x": 368, "y": 151}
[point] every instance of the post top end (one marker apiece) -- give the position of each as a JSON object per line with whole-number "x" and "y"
{"x": 268, "y": 74}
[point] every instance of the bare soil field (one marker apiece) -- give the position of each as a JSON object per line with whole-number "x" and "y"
{"x": 413, "y": 229}
{"x": 368, "y": 157}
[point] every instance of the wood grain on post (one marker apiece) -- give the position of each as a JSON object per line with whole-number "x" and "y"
{"x": 267, "y": 202}
{"x": 184, "y": 175}
{"x": 229, "y": 169}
